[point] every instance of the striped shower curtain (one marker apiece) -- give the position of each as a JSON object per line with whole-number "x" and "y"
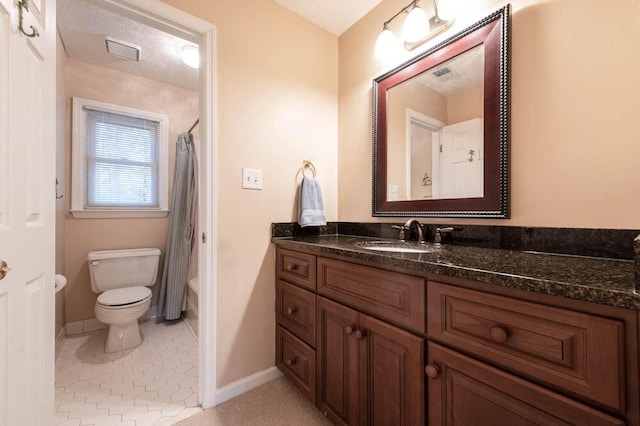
{"x": 182, "y": 226}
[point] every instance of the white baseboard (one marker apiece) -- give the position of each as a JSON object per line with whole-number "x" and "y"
{"x": 246, "y": 384}
{"x": 83, "y": 326}
{"x": 60, "y": 340}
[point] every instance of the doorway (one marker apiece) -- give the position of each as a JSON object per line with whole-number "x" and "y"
{"x": 176, "y": 22}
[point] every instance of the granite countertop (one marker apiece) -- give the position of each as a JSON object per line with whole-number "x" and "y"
{"x": 605, "y": 281}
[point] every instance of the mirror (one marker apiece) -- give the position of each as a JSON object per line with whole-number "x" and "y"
{"x": 440, "y": 133}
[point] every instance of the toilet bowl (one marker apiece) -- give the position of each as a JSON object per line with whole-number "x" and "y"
{"x": 121, "y": 313}
{"x": 122, "y": 278}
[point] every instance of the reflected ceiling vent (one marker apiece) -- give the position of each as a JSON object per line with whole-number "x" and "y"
{"x": 442, "y": 71}
{"x": 122, "y": 49}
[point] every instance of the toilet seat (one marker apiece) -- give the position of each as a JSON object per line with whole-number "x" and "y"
{"x": 124, "y": 297}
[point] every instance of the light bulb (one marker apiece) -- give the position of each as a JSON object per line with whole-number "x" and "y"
{"x": 385, "y": 45}
{"x": 191, "y": 56}
{"x": 447, "y": 9}
{"x": 416, "y": 26}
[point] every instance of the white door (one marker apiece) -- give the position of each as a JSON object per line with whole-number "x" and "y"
{"x": 27, "y": 198}
{"x": 462, "y": 160}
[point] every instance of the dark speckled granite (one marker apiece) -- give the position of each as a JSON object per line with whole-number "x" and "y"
{"x": 289, "y": 229}
{"x": 605, "y": 281}
{"x": 609, "y": 243}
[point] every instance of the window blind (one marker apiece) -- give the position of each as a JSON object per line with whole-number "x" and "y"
{"x": 121, "y": 156}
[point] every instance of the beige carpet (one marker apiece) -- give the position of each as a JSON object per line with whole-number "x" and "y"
{"x": 276, "y": 403}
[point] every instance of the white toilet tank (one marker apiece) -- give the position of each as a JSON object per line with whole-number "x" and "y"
{"x": 110, "y": 269}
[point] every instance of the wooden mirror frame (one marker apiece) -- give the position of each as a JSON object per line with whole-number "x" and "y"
{"x": 493, "y": 32}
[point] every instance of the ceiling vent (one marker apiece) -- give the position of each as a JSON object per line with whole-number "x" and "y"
{"x": 122, "y": 49}
{"x": 442, "y": 71}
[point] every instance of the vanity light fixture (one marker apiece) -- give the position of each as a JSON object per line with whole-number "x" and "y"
{"x": 418, "y": 28}
{"x": 190, "y": 55}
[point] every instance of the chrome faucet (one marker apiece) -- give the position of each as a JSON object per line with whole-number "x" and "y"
{"x": 439, "y": 232}
{"x": 408, "y": 224}
{"x": 402, "y": 228}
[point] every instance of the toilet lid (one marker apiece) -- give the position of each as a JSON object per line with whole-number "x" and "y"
{"x": 124, "y": 296}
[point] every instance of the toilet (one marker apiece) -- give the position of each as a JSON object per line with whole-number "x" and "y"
{"x": 122, "y": 279}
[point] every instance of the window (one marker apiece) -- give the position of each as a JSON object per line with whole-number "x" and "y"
{"x": 119, "y": 161}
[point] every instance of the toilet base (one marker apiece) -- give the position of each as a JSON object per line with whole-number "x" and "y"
{"x": 121, "y": 337}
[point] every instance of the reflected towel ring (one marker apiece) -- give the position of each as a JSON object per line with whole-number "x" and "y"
{"x": 306, "y": 164}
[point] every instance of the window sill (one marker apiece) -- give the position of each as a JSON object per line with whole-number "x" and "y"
{"x": 118, "y": 214}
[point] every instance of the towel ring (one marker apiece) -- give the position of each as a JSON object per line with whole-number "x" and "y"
{"x": 306, "y": 164}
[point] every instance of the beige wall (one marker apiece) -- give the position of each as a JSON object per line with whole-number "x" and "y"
{"x": 277, "y": 78}
{"x": 61, "y": 114}
{"x": 465, "y": 105}
{"x": 420, "y": 98}
{"x": 84, "y": 235}
{"x": 575, "y": 142}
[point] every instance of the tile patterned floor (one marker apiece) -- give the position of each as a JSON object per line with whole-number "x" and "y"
{"x": 154, "y": 383}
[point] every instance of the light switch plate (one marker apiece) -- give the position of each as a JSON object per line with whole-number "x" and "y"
{"x": 392, "y": 193}
{"x": 251, "y": 178}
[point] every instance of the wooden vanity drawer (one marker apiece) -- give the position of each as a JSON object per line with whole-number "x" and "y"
{"x": 296, "y": 268}
{"x": 576, "y": 352}
{"x": 297, "y": 361}
{"x": 390, "y": 296}
{"x": 464, "y": 391}
{"x": 296, "y": 311}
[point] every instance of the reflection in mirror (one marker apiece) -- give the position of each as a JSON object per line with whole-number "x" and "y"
{"x": 440, "y": 128}
{"x": 435, "y": 131}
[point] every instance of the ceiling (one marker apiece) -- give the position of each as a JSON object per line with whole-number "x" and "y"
{"x": 335, "y": 16}
{"x": 465, "y": 72}
{"x": 83, "y": 27}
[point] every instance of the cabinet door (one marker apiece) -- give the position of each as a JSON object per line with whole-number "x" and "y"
{"x": 463, "y": 391}
{"x": 337, "y": 362}
{"x": 392, "y": 375}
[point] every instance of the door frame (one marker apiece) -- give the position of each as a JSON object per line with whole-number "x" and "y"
{"x": 179, "y": 23}
{"x": 432, "y": 124}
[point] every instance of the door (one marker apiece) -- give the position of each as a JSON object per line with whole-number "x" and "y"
{"x": 462, "y": 160}
{"x": 337, "y": 362}
{"x": 463, "y": 391}
{"x": 27, "y": 197}
{"x": 369, "y": 372}
{"x": 392, "y": 376}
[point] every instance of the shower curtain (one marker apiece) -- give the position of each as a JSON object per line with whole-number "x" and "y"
{"x": 182, "y": 225}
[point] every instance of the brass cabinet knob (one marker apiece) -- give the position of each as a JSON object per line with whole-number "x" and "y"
{"x": 432, "y": 371}
{"x": 348, "y": 329}
{"x": 292, "y": 310}
{"x": 359, "y": 335}
{"x": 498, "y": 334}
{"x": 4, "y": 269}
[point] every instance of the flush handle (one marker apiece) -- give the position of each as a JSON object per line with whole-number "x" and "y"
{"x": 4, "y": 269}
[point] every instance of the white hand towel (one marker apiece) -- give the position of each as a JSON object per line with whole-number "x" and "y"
{"x": 310, "y": 205}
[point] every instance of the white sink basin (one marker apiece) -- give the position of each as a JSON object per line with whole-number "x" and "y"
{"x": 399, "y": 248}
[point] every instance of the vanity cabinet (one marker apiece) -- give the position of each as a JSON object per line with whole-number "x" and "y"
{"x": 463, "y": 391}
{"x": 356, "y": 330}
{"x": 376, "y": 344}
{"x": 369, "y": 372}
{"x": 575, "y": 351}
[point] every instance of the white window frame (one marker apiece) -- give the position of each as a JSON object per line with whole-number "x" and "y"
{"x": 79, "y": 208}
